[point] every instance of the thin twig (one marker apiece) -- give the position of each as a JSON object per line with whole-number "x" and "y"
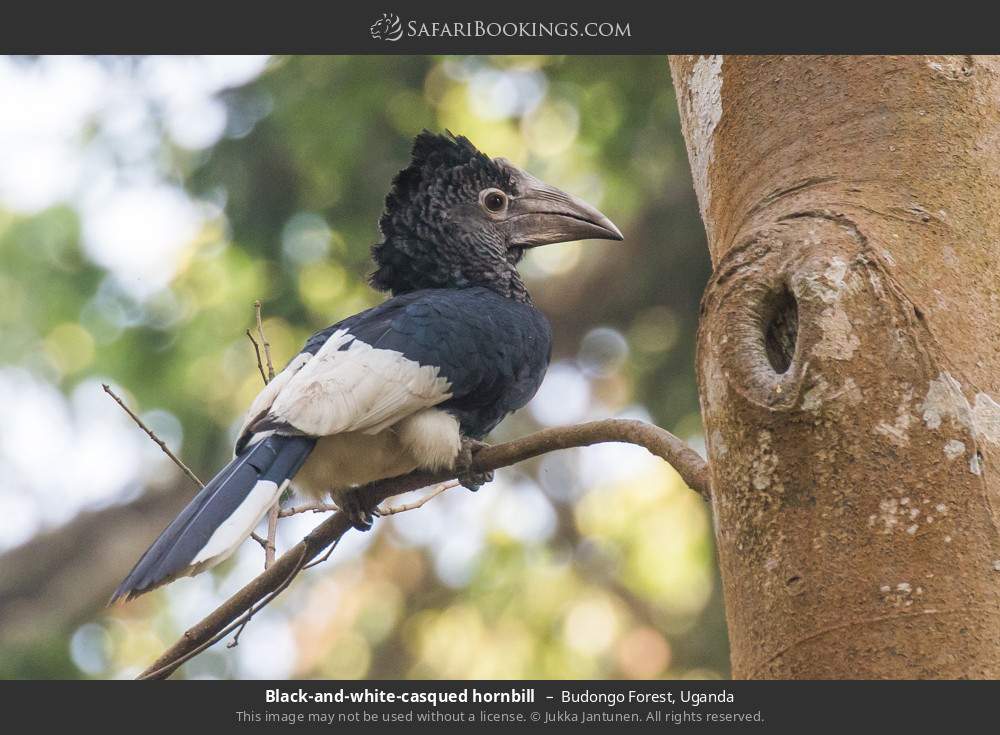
{"x": 394, "y": 509}
{"x": 152, "y": 435}
{"x": 269, "y": 544}
{"x": 317, "y": 507}
{"x": 176, "y": 460}
{"x": 321, "y": 507}
{"x": 263, "y": 341}
{"x": 691, "y": 467}
{"x": 322, "y": 558}
{"x": 239, "y": 631}
{"x": 256, "y": 349}
{"x": 272, "y": 534}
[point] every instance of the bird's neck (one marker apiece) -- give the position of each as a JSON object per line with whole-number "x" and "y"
{"x": 405, "y": 265}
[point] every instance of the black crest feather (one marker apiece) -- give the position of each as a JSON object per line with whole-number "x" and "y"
{"x": 423, "y": 246}
{"x": 432, "y": 152}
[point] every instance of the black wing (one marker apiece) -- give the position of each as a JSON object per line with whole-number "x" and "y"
{"x": 494, "y": 351}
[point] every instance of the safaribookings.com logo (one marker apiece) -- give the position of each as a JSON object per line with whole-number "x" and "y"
{"x": 387, "y": 28}
{"x": 390, "y": 28}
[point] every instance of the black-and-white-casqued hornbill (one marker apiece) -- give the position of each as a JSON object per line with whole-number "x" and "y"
{"x": 412, "y": 383}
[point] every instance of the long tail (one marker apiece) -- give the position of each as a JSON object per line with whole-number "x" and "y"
{"x": 221, "y": 516}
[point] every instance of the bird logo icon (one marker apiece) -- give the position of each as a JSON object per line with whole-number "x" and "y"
{"x": 387, "y": 28}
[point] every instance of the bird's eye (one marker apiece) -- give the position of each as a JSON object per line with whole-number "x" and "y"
{"x": 494, "y": 200}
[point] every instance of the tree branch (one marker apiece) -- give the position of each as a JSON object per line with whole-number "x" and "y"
{"x": 264, "y": 343}
{"x": 260, "y": 362}
{"x": 233, "y": 613}
{"x": 270, "y": 543}
{"x": 265, "y": 544}
{"x": 152, "y": 435}
{"x": 391, "y": 510}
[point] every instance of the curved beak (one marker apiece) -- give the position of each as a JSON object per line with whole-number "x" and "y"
{"x": 542, "y": 214}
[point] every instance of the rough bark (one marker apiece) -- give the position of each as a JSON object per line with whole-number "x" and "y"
{"x": 849, "y": 358}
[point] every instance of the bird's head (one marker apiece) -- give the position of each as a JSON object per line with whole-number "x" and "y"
{"x": 457, "y": 218}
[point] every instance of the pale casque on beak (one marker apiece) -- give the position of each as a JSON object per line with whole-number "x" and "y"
{"x": 541, "y": 214}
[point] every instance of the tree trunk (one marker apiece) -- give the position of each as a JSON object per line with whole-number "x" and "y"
{"x": 849, "y": 358}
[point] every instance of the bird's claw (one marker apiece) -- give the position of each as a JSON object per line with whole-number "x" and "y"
{"x": 349, "y": 502}
{"x": 463, "y": 466}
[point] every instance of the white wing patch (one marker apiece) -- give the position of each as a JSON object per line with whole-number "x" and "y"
{"x": 266, "y": 397}
{"x": 360, "y": 388}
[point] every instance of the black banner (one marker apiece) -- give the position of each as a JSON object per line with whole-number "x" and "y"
{"x": 495, "y": 705}
{"x": 396, "y": 27}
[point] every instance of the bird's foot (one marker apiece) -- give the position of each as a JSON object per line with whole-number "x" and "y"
{"x": 463, "y": 465}
{"x": 349, "y": 501}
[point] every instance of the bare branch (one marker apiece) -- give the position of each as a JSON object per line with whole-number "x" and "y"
{"x": 260, "y": 362}
{"x": 152, "y": 435}
{"x": 393, "y": 509}
{"x": 268, "y": 544}
{"x": 240, "y": 623}
{"x": 322, "y": 558}
{"x": 264, "y": 343}
{"x": 265, "y": 587}
{"x": 317, "y": 507}
{"x": 272, "y": 534}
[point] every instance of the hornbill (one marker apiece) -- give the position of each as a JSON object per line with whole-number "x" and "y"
{"x": 415, "y": 382}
